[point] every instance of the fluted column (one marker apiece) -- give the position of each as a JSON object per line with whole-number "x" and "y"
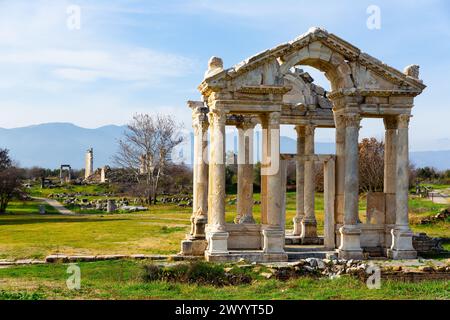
{"x": 401, "y": 247}
{"x": 309, "y": 223}
{"x": 245, "y": 172}
{"x": 350, "y": 247}
{"x": 300, "y": 181}
{"x": 216, "y": 230}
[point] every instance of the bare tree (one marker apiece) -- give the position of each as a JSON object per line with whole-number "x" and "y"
{"x": 146, "y": 148}
{"x": 5, "y": 160}
{"x": 10, "y": 180}
{"x": 371, "y": 165}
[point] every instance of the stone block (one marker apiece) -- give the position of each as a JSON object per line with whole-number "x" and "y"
{"x": 315, "y": 49}
{"x": 218, "y": 243}
{"x": 273, "y": 241}
{"x": 376, "y": 208}
{"x": 193, "y": 247}
{"x": 390, "y": 206}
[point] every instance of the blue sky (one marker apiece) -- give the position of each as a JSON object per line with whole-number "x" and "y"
{"x": 149, "y": 56}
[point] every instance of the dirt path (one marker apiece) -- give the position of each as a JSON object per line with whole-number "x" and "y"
{"x": 440, "y": 198}
{"x": 58, "y": 206}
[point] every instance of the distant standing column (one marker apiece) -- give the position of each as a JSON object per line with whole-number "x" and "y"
{"x": 245, "y": 173}
{"x": 309, "y": 223}
{"x": 89, "y": 167}
{"x": 401, "y": 247}
{"x": 300, "y": 181}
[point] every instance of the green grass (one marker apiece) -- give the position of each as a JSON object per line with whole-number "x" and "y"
{"x": 26, "y": 234}
{"x": 437, "y": 186}
{"x": 28, "y": 207}
{"x": 123, "y": 280}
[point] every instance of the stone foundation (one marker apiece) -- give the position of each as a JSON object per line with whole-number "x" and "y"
{"x": 193, "y": 247}
{"x": 250, "y": 256}
{"x": 425, "y": 245}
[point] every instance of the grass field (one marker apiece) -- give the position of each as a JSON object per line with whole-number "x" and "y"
{"x": 123, "y": 280}
{"x": 28, "y": 208}
{"x": 26, "y": 234}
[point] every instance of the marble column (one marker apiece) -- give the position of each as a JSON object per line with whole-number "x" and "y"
{"x": 300, "y": 181}
{"x": 329, "y": 231}
{"x": 390, "y": 175}
{"x": 245, "y": 173}
{"x": 273, "y": 232}
{"x": 340, "y": 168}
{"x": 201, "y": 180}
{"x": 309, "y": 223}
{"x": 402, "y": 247}
{"x": 350, "y": 246}
{"x": 216, "y": 230}
{"x": 195, "y": 242}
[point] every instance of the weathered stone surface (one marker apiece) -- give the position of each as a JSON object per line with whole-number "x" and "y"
{"x": 269, "y": 88}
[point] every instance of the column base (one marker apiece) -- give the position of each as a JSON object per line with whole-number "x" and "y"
{"x": 217, "y": 243}
{"x": 247, "y": 219}
{"x": 309, "y": 231}
{"x": 193, "y": 247}
{"x": 273, "y": 241}
{"x": 297, "y": 226}
{"x": 350, "y": 247}
{"x": 199, "y": 227}
{"x": 401, "y": 247}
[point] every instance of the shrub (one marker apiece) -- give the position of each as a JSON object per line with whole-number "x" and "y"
{"x": 4, "y": 295}
{"x": 195, "y": 272}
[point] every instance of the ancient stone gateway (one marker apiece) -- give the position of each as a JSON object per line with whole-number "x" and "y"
{"x": 68, "y": 177}
{"x": 268, "y": 89}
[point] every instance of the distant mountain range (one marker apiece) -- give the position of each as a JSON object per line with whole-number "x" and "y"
{"x": 52, "y": 144}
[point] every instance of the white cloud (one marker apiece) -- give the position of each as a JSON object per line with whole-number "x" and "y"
{"x": 35, "y": 39}
{"x": 121, "y": 64}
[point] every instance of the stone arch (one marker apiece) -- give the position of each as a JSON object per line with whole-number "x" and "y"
{"x": 321, "y": 57}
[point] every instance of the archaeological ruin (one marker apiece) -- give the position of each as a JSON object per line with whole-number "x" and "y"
{"x": 65, "y": 178}
{"x": 270, "y": 90}
{"x": 89, "y": 163}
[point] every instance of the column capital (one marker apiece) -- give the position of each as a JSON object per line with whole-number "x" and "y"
{"x": 217, "y": 117}
{"x": 300, "y": 129}
{"x": 352, "y": 119}
{"x": 274, "y": 118}
{"x": 390, "y": 123}
{"x": 246, "y": 123}
{"x": 403, "y": 121}
{"x": 310, "y": 129}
